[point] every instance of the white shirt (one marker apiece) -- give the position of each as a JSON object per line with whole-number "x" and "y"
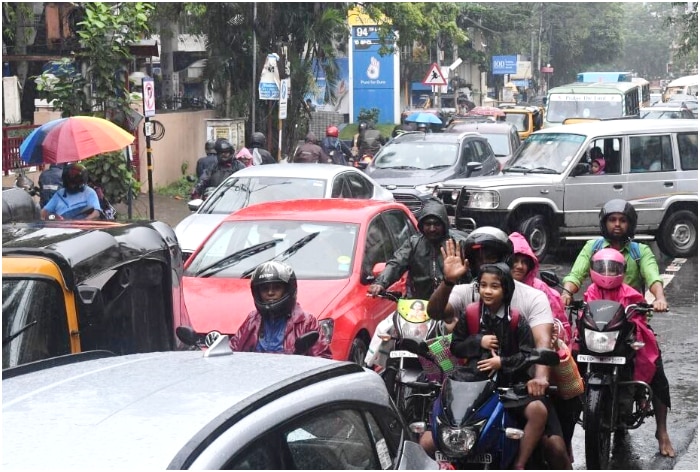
{"x": 530, "y": 302}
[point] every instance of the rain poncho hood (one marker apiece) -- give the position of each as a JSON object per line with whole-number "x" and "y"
{"x": 436, "y": 209}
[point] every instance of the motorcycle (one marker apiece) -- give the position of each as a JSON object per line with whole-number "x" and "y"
{"x": 197, "y": 341}
{"x": 470, "y": 422}
{"x": 401, "y": 370}
{"x": 607, "y": 342}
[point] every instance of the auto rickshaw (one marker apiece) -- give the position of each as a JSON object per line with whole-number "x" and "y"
{"x": 526, "y": 118}
{"x": 76, "y": 286}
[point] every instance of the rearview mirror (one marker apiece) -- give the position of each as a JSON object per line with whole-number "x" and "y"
{"x": 550, "y": 278}
{"x": 304, "y": 342}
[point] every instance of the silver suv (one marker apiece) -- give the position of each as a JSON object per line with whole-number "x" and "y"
{"x": 548, "y": 193}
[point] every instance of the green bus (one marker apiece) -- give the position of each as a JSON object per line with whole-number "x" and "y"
{"x": 591, "y": 101}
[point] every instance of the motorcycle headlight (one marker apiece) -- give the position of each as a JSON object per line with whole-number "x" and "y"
{"x": 456, "y": 442}
{"x": 600, "y": 341}
{"x": 326, "y": 329}
{"x": 483, "y": 200}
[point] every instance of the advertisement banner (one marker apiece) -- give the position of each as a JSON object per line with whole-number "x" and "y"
{"x": 504, "y": 65}
{"x": 269, "y": 87}
{"x": 318, "y": 97}
{"x": 373, "y": 74}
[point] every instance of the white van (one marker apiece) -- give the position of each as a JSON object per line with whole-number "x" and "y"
{"x": 687, "y": 85}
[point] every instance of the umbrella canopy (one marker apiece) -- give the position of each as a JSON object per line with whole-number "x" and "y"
{"x": 30, "y": 150}
{"x": 486, "y": 111}
{"x": 80, "y": 137}
{"x": 423, "y": 117}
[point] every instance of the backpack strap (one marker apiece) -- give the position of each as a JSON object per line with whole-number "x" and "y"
{"x": 474, "y": 317}
{"x": 514, "y": 319}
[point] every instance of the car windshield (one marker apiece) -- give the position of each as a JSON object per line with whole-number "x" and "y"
{"x": 499, "y": 143}
{"x": 316, "y": 250}
{"x": 562, "y": 106}
{"x": 416, "y": 155}
{"x": 237, "y": 193}
{"x": 34, "y": 325}
{"x": 547, "y": 153}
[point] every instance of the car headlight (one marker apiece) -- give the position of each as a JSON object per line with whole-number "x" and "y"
{"x": 456, "y": 442}
{"x": 483, "y": 200}
{"x": 427, "y": 188}
{"x": 600, "y": 341}
{"x": 326, "y": 329}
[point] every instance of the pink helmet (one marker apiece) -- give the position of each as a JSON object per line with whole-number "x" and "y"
{"x": 608, "y": 268}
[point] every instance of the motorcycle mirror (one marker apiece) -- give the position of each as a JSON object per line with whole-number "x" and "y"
{"x": 412, "y": 345}
{"x": 550, "y": 278}
{"x": 305, "y": 341}
{"x": 187, "y": 335}
{"x": 542, "y": 356}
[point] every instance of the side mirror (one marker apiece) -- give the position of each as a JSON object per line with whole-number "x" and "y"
{"x": 550, "y": 278}
{"x": 305, "y": 342}
{"x": 581, "y": 169}
{"x": 473, "y": 167}
{"x": 194, "y": 205}
{"x": 187, "y": 335}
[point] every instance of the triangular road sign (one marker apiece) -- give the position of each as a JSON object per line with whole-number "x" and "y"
{"x": 434, "y": 76}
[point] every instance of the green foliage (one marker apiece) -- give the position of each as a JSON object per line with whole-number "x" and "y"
{"x": 110, "y": 171}
{"x": 180, "y": 188}
{"x": 65, "y": 86}
{"x": 370, "y": 116}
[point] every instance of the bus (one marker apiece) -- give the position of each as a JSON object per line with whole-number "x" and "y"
{"x": 591, "y": 101}
{"x": 687, "y": 85}
{"x": 644, "y": 91}
{"x": 604, "y": 77}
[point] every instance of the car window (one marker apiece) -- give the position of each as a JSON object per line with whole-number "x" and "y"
{"x": 399, "y": 225}
{"x": 339, "y": 189}
{"x": 482, "y": 151}
{"x": 378, "y": 246}
{"x": 359, "y": 186}
{"x": 499, "y": 143}
{"x": 651, "y": 153}
{"x": 688, "y": 150}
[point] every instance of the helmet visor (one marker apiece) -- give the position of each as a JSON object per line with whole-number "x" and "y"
{"x": 608, "y": 267}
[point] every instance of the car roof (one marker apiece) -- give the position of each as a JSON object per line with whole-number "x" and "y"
{"x": 664, "y": 107}
{"x": 329, "y": 209}
{"x": 142, "y": 410}
{"x": 294, "y": 170}
{"x": 414, "y": 136}
{"x": 486, "y": 127}
{"x": 629, "y": 126}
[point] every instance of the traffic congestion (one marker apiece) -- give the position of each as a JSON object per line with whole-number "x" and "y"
{"x": 494, "y": 267}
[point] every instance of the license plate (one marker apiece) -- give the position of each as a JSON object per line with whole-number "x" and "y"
{"x": 395, "y": 354}
{"x": 479, "y": 459}
{"x": 601, "y": 360}
{"x": 451, "y": 219}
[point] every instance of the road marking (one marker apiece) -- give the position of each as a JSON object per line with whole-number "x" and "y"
{"x": 667, "y": 276}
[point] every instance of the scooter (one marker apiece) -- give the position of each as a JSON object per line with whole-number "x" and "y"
{"x": 470, "y": 423}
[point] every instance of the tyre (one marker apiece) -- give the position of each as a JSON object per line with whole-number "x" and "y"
{"x": 596, "y": 423}
{"x": 358, "y": 351}
{"x": 678, "y": 234}
{"x": 537, "y": 234}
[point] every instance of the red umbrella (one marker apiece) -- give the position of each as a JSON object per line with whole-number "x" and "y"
{"x": 80, "y": 137}
{"x": 486, "y": 111}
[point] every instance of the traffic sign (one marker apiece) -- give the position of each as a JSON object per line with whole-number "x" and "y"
{"x": 434, "y": 76}
{"x": 284, "y": 96}
{"x": 149, "y": 96}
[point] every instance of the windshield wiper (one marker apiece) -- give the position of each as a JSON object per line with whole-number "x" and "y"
{"x": 7, "y": 340}
{"x": 236, "y": 257}
{"x": 543, "y": 170}
{"x": 283, "y": 256}
{"x": 516, "y": 168}
{"x": 403, "y": 168}
{"x": 438, "y": 167}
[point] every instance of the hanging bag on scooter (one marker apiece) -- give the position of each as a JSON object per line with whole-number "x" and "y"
{"x": 565, "y": 375}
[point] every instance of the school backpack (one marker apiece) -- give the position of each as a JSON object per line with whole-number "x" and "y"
{"x": 473, "y": 318}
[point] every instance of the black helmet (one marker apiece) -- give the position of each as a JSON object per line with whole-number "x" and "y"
{"x": 258, "y": 139}
{"x": 74, "y": 177}
{"x": 618, "y": 205}
{"x": 363, "y": 126}
{"x": 222, "y": 146}
{"x": 501, "y": 270}
{"x": 490, "y": 238}
{"x": 274, "y": 271}
{"x": 209, "y": 147}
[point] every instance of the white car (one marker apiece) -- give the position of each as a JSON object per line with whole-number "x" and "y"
{"x": 267, "y": 183}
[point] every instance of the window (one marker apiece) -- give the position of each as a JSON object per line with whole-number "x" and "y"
{"x": 650, "y": 153}
{"x": 688, "y": 150}
{"x": 359, "y": 187}
{"x": 378, "y": 247}
{"x": 482, "y": 151}
{"x": 399, "y": 225}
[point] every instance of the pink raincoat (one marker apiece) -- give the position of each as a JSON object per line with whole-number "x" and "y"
{"x": 645, "y": 359}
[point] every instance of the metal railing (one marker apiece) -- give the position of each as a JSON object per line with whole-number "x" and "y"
{"x": 12, "y": 137}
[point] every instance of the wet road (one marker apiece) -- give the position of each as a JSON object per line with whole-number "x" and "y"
{"x": 677, "y": 333}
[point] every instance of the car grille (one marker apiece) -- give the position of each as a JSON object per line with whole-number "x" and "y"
{"x": 411, "y": 201}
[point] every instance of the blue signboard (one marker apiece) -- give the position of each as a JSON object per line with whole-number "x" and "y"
{"x": 504, "y": 65}
{"x": 373, "y": 75}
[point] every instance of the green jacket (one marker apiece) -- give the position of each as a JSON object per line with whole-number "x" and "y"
{"x": 636, "y": 275}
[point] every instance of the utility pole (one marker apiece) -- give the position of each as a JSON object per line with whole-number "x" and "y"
{"x": 255, "y": 68}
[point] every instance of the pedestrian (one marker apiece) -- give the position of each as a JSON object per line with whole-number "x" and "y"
{"x": 76, "y": 200}
{"x": 50, "y": 181}
{"x": 260, "y": 154}
{"x": 225, "y": 166}
{"x": 278, "y": 319}
{"x": 208, "y": 160}
{"x": 310, "y": 152}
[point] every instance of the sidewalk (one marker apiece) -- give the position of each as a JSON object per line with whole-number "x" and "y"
{"x": 167, "y": 209}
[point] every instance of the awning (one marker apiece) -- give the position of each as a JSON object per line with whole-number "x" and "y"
{"x": 144, "y": 48}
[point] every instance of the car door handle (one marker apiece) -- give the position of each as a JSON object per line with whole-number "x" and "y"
{"x": 617, "y": 186}
{"x": 669, "y": 184}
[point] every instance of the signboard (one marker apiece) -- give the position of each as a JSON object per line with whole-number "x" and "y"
{"x": 284, "y": 96}
{"x": 504, "y": 65}
{"x": 149, "y": 96}
{"x": 434, "y": 76}
{"x": 269, "y": 87}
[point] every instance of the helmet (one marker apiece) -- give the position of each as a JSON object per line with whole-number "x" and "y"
{"x": 363, "y": 126}
{"x": 608, "y": 268}
{"x": 618, "y": 205}
{"x": 258, "y": 139}
{"x": 332, "y": 131}
{"x": 74, "y": 177}
{"x": 222, "y": 146}
{"x": 209, "y": 147}
{"x": 502, "y": 270}
{"x": 274, "y": 271}
{"x": 490, "y": 238}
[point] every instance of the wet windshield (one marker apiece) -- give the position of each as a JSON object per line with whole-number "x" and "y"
{"x": 500, "y": 143}
{"x": 547, "y": 153}
{"x": 34, "y": 325}
{"x": 561, "y": 106}
{"x": 416, "y": 155}
{"x": 235, "y": 193}
{"x": 316, "y": 250}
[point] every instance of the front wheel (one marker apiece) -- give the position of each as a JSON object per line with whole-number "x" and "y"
{"x": 537, "y": 234}
{"x": 358, "y": 351}
{"x": 597, "y": 416}
{"x": 678, "y": 234}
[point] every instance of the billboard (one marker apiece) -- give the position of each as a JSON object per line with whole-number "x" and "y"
{"x": 318, "y": 97}
{"x": 504, "y": 65}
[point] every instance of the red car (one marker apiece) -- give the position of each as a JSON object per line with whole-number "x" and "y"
{"x": 332, "y": 244}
